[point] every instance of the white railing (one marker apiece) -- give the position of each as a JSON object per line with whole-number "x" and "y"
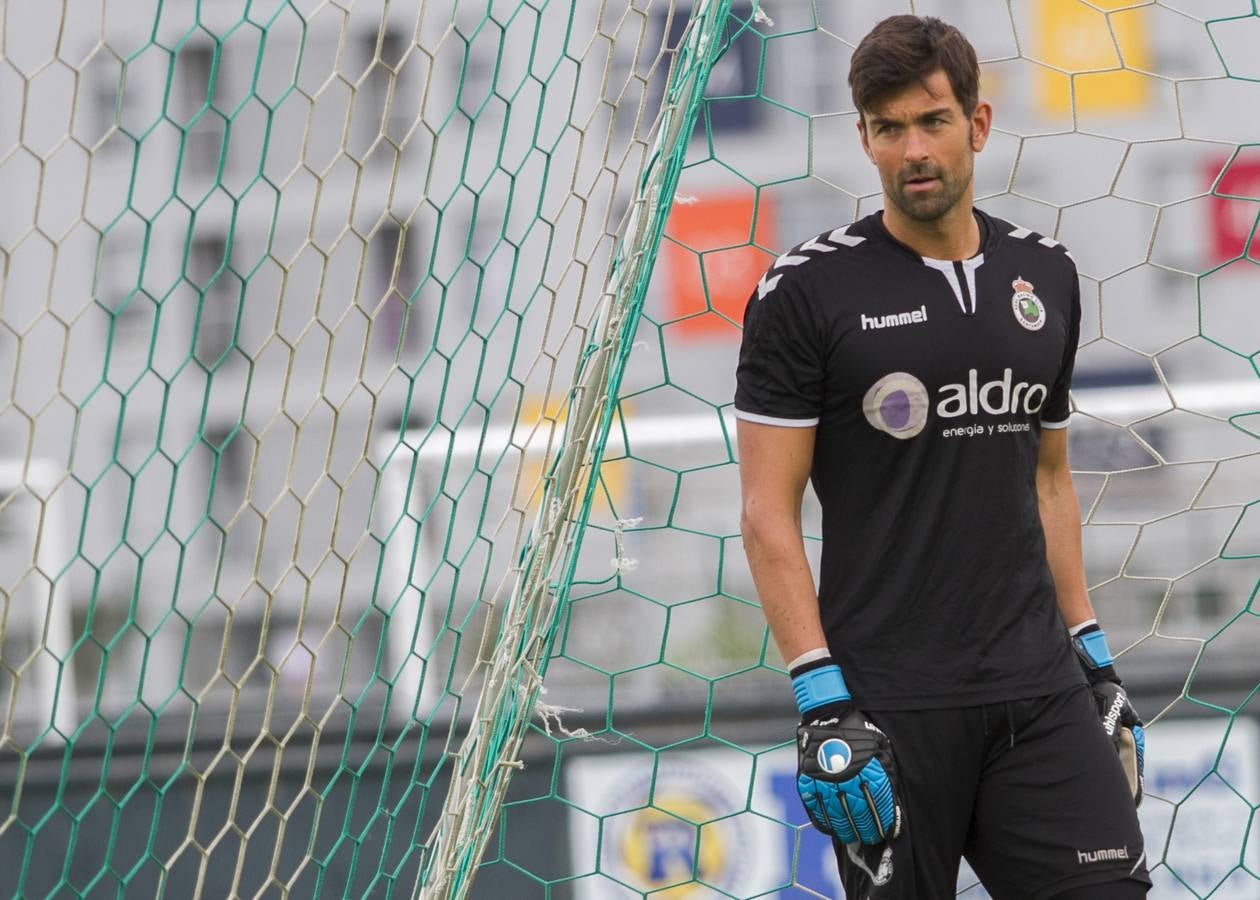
{"x": 428, "y": 453}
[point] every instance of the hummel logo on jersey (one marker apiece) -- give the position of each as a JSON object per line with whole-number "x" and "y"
{"x": 1090, "y": 856}
{"x": 894, "y": 319}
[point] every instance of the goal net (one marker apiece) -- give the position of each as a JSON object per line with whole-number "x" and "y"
{"x": 368, "y": 494}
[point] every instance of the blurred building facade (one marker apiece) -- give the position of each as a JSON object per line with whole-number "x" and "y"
{"x": 293, "y": 263}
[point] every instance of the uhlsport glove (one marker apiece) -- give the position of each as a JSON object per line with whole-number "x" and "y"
{"x": 846, "y": 775}
{"x": 1119, "y": 719}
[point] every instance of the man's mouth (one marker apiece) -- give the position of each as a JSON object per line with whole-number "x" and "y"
{"x": 920, "y": 183}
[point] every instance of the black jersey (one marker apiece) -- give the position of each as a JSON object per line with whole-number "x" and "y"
{"x": 929, "y": 382}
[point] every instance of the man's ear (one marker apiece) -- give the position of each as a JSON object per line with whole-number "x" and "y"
{"x": 861, "y": 127}
{"x": 981, "y": 125}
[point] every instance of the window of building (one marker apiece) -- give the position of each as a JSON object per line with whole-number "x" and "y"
{"x": 203, "y": 139}
{"x": 394, "y": 261}
{"x": 220, "y": 296}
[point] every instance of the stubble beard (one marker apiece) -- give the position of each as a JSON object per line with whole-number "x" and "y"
{"x": 935, "y": 204}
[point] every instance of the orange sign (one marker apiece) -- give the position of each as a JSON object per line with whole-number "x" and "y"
{"x": 711, "y": 261}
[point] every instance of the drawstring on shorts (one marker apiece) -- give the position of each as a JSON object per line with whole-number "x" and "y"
{"x": 1010, "y": 720}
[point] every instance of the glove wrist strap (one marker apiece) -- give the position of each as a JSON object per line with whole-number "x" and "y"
{"x": 1091, "y": 646}
{"x": 819, "y": 687}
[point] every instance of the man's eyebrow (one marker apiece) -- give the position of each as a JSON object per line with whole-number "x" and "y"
{"x": 939, "y": 112}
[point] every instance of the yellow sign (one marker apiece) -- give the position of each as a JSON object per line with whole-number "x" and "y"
{"x": 1079, "y": 41}
{"x": 659, "y": 848}
{"x": 540, "y": 431}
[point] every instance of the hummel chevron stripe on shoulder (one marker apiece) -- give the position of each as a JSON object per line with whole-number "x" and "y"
{"x": 1027, "y": 234}
{"x": 821, "y": 244}
{"x": 767, "y": 284}
{"x": 839, "y": 237}
{"x": 1021, "y": 234}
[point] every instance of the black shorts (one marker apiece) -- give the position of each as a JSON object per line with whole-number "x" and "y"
{"x": 1031, "y": 792}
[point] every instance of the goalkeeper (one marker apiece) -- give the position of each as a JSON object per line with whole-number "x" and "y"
{"x": 957, "y": 695}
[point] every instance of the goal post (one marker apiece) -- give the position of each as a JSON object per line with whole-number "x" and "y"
{"x": 534, "y": 608}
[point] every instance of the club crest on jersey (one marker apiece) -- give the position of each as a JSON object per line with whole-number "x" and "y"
{"x": 1027, "y": 306}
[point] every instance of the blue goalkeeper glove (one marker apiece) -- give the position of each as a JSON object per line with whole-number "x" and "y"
{"x": 846, "y": 775}
{"x": 1119, "y": 719}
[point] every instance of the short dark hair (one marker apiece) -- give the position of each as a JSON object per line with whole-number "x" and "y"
{"x": 904, "y": 49}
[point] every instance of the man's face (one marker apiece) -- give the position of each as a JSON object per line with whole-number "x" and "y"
{"x": 924, "y": 146}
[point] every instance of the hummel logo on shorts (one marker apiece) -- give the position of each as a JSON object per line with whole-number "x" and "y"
{"x": 1090, "y": 856}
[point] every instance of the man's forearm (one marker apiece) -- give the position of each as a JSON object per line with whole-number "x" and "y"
{"x": 780, "y": 569}
{"x": 1061, "y": 521}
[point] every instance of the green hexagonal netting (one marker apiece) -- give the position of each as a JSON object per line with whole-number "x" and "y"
{"x": 369, "y": 506}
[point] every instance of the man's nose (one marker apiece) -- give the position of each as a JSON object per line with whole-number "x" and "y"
{"x": 916, "y": 146}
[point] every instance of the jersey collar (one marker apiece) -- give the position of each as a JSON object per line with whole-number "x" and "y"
{"x": 989, "y": 239}
{"x": 959, "y": 274}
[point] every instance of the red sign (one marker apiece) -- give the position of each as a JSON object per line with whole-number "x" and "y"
{"x": 711, "y": 261}
{"x": 1234, "y": 207}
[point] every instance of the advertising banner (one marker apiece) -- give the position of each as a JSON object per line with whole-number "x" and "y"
{"x": 1077, "y": 42}
{"x": 1234, "y": 207}
{"x": 717, "y": 822}
{"x": 710, "y": 263}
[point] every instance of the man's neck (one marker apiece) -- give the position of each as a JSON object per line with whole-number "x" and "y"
{"x": 955, "y": 235}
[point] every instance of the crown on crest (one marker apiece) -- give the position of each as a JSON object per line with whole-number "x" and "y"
{"x": 1021, "y": 286}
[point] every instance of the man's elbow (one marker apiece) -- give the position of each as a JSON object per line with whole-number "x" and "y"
{"x": 758, "y": 524}
{"x": 747, "y": 527}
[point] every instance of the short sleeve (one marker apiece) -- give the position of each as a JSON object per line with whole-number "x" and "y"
{"x": 1056, "y": 411}
{"x": 779, "y": 379}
